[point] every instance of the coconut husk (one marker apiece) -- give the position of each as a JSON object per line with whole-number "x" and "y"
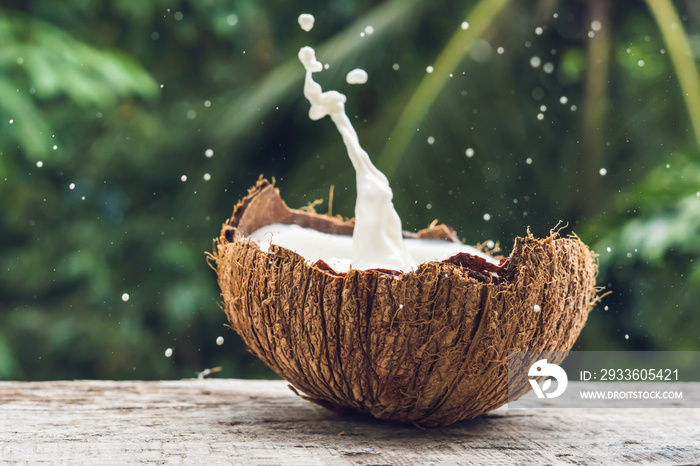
{"x": 428, "y": 347}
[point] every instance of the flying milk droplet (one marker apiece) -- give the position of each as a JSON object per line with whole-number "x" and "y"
{"x": 356, "y": 76}
{"x": 306, "y": 21}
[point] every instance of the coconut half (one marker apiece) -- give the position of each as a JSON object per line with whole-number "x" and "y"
{"x": 429, "y": 346}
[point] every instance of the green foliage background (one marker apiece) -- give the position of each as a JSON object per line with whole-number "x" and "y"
{"x": 106, "y": 105}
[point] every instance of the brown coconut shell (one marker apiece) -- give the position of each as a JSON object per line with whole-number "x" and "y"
{"x": 428, "y": 347}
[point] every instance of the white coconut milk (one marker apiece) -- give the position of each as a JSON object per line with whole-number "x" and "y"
{"x": 338, "y": 250}
{"x": 377, "y": 240}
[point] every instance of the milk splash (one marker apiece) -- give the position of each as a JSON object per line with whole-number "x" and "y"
{"x": 377, "y": 236}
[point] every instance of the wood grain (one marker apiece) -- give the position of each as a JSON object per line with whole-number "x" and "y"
{"x": 220, "y": 421}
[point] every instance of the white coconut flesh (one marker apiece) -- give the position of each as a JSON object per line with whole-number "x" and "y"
{"x": 337, "y": 250}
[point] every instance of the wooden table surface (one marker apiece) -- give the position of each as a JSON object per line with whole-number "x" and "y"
{"x": 220, "y": 421}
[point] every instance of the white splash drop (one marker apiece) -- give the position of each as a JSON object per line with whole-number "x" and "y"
{"x": 537, "y": 308}
{"x": 168, "y": 352}
{"x": 209, "y": 153}
{"x": 219, "y": 341}
{"x": 356, "y": 76}
{"x": 125, "y": 297}
{"x": 469, "y": 152}
{"x": 306, "y": 21}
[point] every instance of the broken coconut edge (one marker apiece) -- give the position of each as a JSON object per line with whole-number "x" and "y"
{"x": 428, "y": 347}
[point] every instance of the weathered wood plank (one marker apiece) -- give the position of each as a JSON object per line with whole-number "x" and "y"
{"x": 262, "y": 422}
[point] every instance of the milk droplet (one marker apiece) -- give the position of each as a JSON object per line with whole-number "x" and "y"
{"x": 640, "y": 63}
{"x": 55, "y": 147}
{"x": 543, "y": 108}
{"x": 356, "y": 76}
{"x": 535, "y": 62}
{"x": 595, "y": 25}
{"x": 12, "y": 121}
{"x": 609, "y": 249}
{"x": 219, "y": 341}
{"x": 487, "y": 217}
{"x": 395, "y": 67}
{"x": 540, "y": 116}
{"x": 207, "y": 177}
{"x": 232, "y": 19}
{"x": 528, "y": 161}
{"x": 538, "y": 31}
{"x": 369, "y": 30}
{"x": 40, "y": 164}
{"x": 431, "y": 140}
{"x": 537, "y": 308}
{"x": 563, "y": 99}
{"x": 125, "y": 297}
{"x": 71, "y": 187}
{"x": 591, "y": 34}
{"x": 548, "y": 68}
{"x": 469, "y": 152}
{"x": 627, "y": 337}
{"x": 500, "y": 50}
{"x": 603, "y": 172}
{"x": 207, "y": 103}
{"x": 168, "y": 352}
{"x": 429, "y": 69}
{"x": 183, "y": 178}
{"x": 490, "y": 244}
{"x": 465, "y": 25}
{"x": 209, "y": 153}
{"x": 306, "y": 21}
